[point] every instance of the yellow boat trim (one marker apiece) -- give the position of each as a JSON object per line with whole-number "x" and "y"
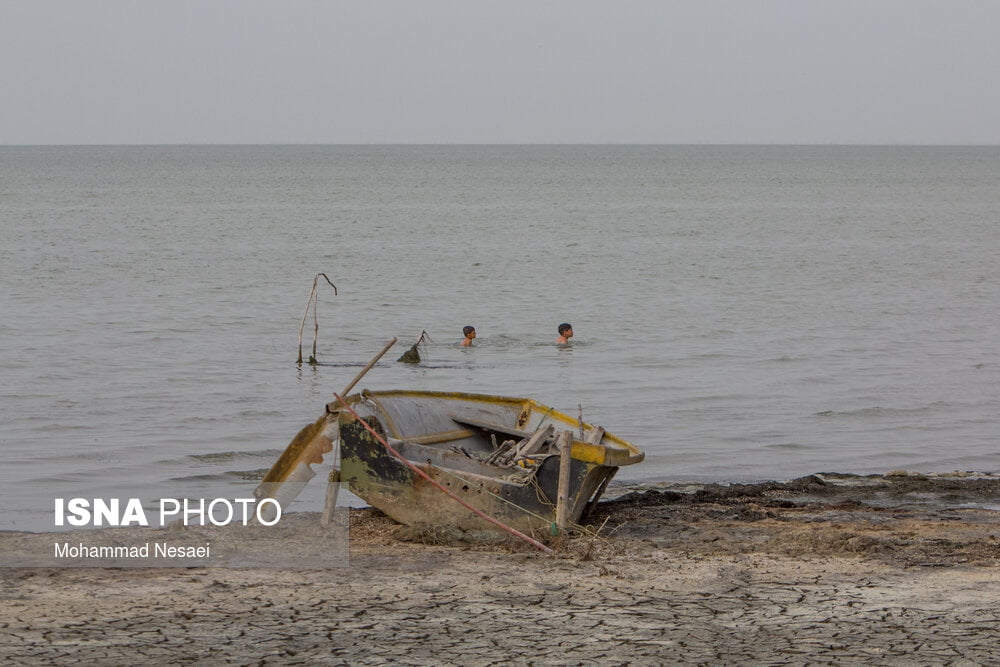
{"x": 614, "y": 451}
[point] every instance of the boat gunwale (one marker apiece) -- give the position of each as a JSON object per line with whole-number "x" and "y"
{"x": 634, "y": 454}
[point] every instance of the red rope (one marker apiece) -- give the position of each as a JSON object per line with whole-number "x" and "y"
{"x": 513, "y": 531}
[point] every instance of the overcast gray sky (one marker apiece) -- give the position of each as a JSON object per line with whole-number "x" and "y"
{"x": 511, "y": 71}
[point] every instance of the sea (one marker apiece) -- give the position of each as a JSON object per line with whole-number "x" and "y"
{"x": 741, "y": 313}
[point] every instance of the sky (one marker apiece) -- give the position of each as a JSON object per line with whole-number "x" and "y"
{"x": 510, "y": 71}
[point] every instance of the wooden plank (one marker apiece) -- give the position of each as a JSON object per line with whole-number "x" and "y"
{"x": 488, "y": 426}
{"x": 535, "y": 442}
{"x": 444, "y": 436}
{"x": 596, "y": 435}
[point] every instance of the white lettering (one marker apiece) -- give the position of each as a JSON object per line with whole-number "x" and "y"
{"x": 211, "y": 510}
{"x": 261, "y": 512}
{"x": 105, "y": 511}
{"x": 78, "y": 508}
{"x": 134, "y": 514}
{"x": 164, "y": 550}
{"x": 245, "y": 502}
{"x": 128, "y": 512}
{"x": 163, "y": 509}
{"x": 200, "y": 512}
{"x": 82, "y": 550}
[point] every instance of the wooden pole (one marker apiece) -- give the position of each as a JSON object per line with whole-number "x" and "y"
{"x": 312, "y": 359}
{"x": 367, "y": 368}
{"x": 332, "y": 489}
{"x": 302, "y": 325}
{"x": 562, "y": 495}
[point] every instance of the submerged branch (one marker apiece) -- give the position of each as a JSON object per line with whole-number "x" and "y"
{"x": 313, "y": 302}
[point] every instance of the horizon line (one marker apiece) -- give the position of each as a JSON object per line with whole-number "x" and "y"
{"x": 509, "y": 144}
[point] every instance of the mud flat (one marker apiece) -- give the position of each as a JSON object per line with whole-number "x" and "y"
{"x": 893, "y": 570}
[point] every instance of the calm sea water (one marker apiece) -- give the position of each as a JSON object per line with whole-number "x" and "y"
{"x": 740, "y": 312}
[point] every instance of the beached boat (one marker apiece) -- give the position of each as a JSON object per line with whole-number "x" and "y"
{"x": 499, "y": 455}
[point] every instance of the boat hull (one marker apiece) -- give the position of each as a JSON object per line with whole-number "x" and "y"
{"x": 459, "y": 441}
{"x": 524, "y": 502}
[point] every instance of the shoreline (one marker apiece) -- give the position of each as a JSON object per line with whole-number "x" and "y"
{"x": 897, "y": 570}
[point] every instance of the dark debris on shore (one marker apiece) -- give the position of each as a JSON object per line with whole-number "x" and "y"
{"x": 878, "y": 490}
{"x": 904, "y": 519}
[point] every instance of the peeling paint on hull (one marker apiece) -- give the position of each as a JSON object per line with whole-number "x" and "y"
{"x": 388, "y": 484}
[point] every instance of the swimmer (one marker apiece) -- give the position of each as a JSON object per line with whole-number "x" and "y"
{"x": 470, "y": 334}
{"x": 565, "y": 333}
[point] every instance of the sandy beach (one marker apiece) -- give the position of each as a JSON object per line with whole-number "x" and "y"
{"x": 895, "y": 570}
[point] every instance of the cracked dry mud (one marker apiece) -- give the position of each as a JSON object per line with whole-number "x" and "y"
{"x": 761, "y": 574}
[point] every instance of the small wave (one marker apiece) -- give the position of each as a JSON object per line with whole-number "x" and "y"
{"x": 713, "y": 356}
{"x": 259, "y": 414}
{"x": 469, "y": 365}
{"x": 242, "y": 475}
{"x": 458, "y": 366}
{"x": 219, "y": 457}
{"x": 249, "y": 475}
{"x": 573, "y": 344}
{"x": 346, "y": 364}
{"x": 788, "y": 446}
{"x": 786, "y": 359}
{"x": 879, "y": 411}
{"x": 206, "y": 477}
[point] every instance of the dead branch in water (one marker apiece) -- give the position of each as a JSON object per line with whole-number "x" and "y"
{"x": 313, "y": 302}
